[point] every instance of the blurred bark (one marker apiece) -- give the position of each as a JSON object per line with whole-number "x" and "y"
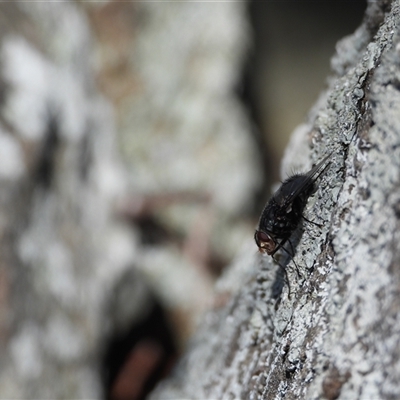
{"x": 171, "y": 70}
{"x": 337, "y": 336}
{"x": 62, "y": 249}
{"x": 66, "y": 276}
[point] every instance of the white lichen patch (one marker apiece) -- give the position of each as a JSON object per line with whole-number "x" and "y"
{"x": 180, "y": 283}
{"x": 62, "y": 340}
{"x": 26, "y": 352}
{"x": 117, "y": 251}
{"x": 38, "y": 90}
{"x": 12, "y": 165}
{"x": 60, "y": 276}
{"x": 256, "y": 320}
{"x": 30, "y": 76}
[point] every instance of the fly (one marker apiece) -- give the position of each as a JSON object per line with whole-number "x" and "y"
{"x": 284, "y": 211}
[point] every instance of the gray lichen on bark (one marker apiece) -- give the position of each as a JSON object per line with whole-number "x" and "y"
{"x": 337, "y": 335}
{"x": 68, "y": 265}
{"x": 62, "y": 249}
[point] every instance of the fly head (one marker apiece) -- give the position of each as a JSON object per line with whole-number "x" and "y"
{"x": 265, "y": 242}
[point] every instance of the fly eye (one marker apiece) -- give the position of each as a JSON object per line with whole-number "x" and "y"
{"x": 265, "y": 243}
{"x": 262, "y": 236}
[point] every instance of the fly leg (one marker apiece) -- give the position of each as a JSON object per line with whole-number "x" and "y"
{"x": 286, "y": 275}
{"x": 280, "y": 245}
{"x": 294, "y": 262}
{"x": 311, "y": 222}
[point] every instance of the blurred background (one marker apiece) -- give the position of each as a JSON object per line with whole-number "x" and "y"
{"x": 139, "y": 143}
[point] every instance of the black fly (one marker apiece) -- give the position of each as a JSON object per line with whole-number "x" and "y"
{"x": 284, "y": 211}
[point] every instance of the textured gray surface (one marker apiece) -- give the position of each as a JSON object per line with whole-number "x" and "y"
{"x": 337, "y": 336}
{"x": 66, "y": 260}
{"x": 182, "y": 130}
{"x": 62, "y": 248}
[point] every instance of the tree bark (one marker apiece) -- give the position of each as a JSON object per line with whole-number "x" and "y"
{"x": 337, "y": 335}
{"x": 62, "y": 249}
{"x": 71, "y": 272}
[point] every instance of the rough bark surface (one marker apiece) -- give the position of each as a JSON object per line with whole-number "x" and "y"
{"x": 337, "y": 336}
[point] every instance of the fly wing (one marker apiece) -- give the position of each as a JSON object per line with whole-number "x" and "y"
{"x": 319, "y": 169}
{"x": 297, "y": 184}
